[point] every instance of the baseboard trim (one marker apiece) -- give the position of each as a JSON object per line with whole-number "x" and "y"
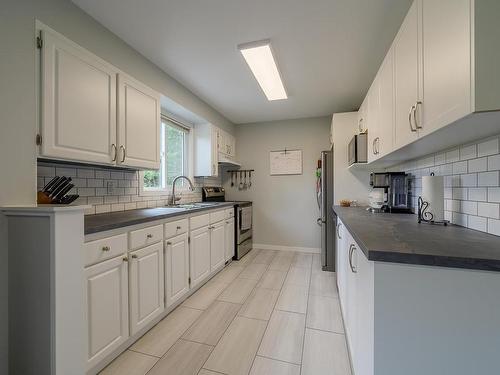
{"x": 311, "y": 250}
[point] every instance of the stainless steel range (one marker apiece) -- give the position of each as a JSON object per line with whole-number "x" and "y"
{"x": 243, "y": 219}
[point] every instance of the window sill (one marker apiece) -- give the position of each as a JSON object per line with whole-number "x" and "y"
{"x": 167, "y": 191}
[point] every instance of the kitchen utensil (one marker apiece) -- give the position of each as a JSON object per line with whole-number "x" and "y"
{"x": 69, "y": 199}
{"x": 50, "y": 184}
{"x": 64, "y": 191}
{"x": 245, "y": 183}
{"x": 60, "y": 186}
{"x": 249, "y": 178}
{"x": 240, "y": 186}
{"x": 232, "y": 179}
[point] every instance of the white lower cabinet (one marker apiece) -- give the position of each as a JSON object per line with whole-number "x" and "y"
{"x": 229, "y": 242}
{"x": 217, "y": 245}
{"x": 199, "y": 255}
{"x": 106, "y": 293}
{"x": 176, "y": 268}
{"x": 146, "y": 285}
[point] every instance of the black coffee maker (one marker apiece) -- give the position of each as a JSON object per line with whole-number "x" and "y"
{"x": 397, "y": 191}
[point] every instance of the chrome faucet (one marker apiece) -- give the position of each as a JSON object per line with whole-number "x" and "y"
{"x": 191, "y": 187}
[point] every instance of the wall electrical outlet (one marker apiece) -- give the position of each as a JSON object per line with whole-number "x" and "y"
{"x": 110, "y": 185}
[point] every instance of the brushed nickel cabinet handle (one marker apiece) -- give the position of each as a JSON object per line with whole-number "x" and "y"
{"x": 409, "y": 119}
{"x": 351, "y": 251}
{"x": 123, "y": 157}
{"x": 417, "y": 126}
{"x": 125, "y": 259}
{"x": 106, "y": 248}
{"x": 115, "y": 152}
{"x": 169, "y": 243}
{"x": 134, "y": 256}
{"x": 338, "y": 231}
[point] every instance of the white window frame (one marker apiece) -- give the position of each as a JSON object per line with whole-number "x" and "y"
{"x": 188, "y": 162}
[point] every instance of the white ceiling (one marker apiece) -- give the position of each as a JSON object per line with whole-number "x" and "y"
{"x": 328, "y": 51}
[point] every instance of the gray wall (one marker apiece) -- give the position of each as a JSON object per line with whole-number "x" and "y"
{"x": 17, "y": 99}
{"x": 285, "y": 208}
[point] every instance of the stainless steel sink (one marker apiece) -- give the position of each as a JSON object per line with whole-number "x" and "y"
{"x": 192, "y": 206}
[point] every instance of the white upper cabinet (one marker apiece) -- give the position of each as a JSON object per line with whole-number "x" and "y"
{"x": 385, "y": 119}
{"x": 89, "y": 115}
{"x": 372, "y": 111}
{"x": 206, "y": 151}
{"x": 446, "y": 47}
{"x": 406, "y": 78}
{"x": 362, "y": 116}
{"x": 226, "y": 144}
{"x": 138, "y": 124}
{"x": 146, "y": 285}
{"x": 78, "y": 103}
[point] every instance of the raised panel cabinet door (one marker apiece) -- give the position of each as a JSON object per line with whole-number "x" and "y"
{"x": 78, "y": 103}
{"x": 217, "y": 245}
{"x": 446, "y": 43}
{"x": 406, "y": 77}
{"x": 138, "y": 124}
{"x": 176, "y": 268}
{"x": 106, "y": 301}
{"x": 385, "y": 142}
{"x": 229, "y": 243}
{"x": 146, "y": 285}
{"x": 373, "y": 106}
{"x": 199, "y": 258}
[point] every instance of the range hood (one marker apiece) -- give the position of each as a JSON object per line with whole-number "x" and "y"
{"x": 223, "y": 160}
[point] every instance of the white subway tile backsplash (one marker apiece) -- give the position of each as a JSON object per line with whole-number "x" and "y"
{"x": 85, "y": 173}
{"x": 478, "y": 223}
{"x": 98, "y": 183}
{"x": 452, "y": 156}
{"x": 494, "y": 227}
{"x": 494, "y": 163}
{"x": 469, "y": 207}
{"x": 468, "y": 180}
{"x": 79, "y": 182}
{"x": 440, "y": 158}
{"x": 494, "y": 194}
{"x": 110, "y": 199}
{"x": 68, "y": 172}
{"x": 478, "y": 165}
{"x": 459, "y": 219}
{"x": 460, "y": 167}
{"x": 488, "y": 178}
{"x": 95, "y": 200}
{"x": 124, "y": 198}
{"x": 117, "y": 207}
{"x": 130, "y": 206}
{"x": 46, "y": 171}
{"x": 102, "y": 208}
{"x": 491, "y": 210}
{"x": 459, "y": 193}
{"x": 102, "y": 174}
{"x": 86, "y": 192}
{"x": 489, "y": 147}
{"x": 477, "y": 194}
{"x": 468, "y": 152}
{"x": 142, "y": 204}
{"x": 472, "y": 182}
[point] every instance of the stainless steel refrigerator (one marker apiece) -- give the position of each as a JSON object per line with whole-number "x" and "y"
{"x": 327, "y": 219}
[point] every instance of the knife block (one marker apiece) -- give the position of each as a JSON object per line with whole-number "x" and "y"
{"x": 42, "y": 198}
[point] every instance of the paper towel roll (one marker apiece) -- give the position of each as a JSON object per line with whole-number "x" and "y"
{"x": 433, "y": 193}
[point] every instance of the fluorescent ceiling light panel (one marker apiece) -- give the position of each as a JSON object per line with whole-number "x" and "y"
{"x": 260, "y": 59}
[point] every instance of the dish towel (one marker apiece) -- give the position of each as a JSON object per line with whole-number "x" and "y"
{"x": 246, "y": 218}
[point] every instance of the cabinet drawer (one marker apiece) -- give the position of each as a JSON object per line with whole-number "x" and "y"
{"x": 229, "y": 213}
{"x": 199, "y": 221}
{"x": 147, "y": 236}
{"x": 107, "y": 248}
{"x": 217, "y": 216}
{"x": 175, "y": 228}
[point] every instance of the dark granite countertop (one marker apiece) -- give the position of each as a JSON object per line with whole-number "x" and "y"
{"x": 399, "y": 238}
{"x": 114, "y": 220}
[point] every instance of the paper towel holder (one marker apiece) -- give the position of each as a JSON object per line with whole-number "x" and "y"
{"x": 425, "y": 216}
